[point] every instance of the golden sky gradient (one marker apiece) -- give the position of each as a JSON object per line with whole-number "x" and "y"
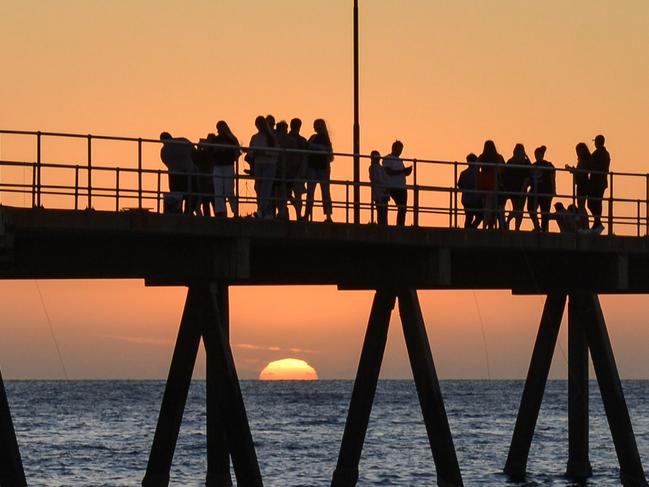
{"x": 442, "y": 76}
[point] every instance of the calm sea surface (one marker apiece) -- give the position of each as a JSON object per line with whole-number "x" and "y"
{"x": 90, "y": 433}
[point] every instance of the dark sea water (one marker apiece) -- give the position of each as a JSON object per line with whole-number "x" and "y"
{"x": 90, "y": 433}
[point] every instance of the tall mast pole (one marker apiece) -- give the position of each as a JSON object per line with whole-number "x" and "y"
{"x": 357, "y": 129}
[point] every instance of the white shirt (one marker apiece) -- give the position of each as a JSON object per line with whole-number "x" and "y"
{"x": 395, "y": 164}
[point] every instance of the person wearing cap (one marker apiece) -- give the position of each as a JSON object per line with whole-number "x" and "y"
{"x": 598, "y": 181}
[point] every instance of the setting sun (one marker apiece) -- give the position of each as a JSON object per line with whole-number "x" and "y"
{"x": 288, "y": 369}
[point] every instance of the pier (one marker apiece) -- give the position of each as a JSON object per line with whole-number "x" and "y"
{"x": 105, "y": 222}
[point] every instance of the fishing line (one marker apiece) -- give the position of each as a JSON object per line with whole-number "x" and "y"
{"x": 484, "y": 335}
{"x": 49, "y": 322}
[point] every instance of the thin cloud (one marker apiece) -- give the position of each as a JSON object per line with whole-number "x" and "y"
{"x": 250, "y": 346}
{"x": 140, "y": 340}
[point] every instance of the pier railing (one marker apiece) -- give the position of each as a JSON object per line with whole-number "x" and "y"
{"x": 85, "y": 171}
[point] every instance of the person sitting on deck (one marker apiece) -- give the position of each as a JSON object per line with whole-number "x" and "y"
{"x": 467, "y": 183}
{"x": 396, "y": 173}
{"x": 176, "y": 155}
{"x": 380, "y": 196}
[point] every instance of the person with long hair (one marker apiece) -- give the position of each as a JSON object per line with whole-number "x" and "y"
{"x": 516, "y": 180}
{"x": 580, "y": 174}
{"x": 319, "y": 169}
{"x": 490, "y": 181}
{"x": 223, "y": 172}
{"x": 263, "y": 164}
{"x": 542, "y": 189}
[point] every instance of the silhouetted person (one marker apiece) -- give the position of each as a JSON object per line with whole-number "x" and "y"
{"x": 224, "y": 171}
{"x": 264, "y": 163}
{"x": 516, "y": 180}
{"x": 270, "y": 120}
{"x": 396, "y": 173}
{"x": 598, "y": 181}
{"x": 490, "y": 181}
{"x": 542, "y": 190}
{"x": 176, "y": 155}
{"x": 319, "y": 169}
{"x": 566, "y": 218}
{"x": 203, "y": 156}
{"x": 580, "y": 174}
{"x": 280, "y": 188}
{"x": 380, "y": 194}
{"x": 296, "y": 166}
{"x": 467, "y": 183}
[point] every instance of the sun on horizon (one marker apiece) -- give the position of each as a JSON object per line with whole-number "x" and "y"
{"x": 288, "y": 369}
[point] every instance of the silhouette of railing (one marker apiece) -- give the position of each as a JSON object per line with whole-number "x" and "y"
{"x": 141, "y": 183}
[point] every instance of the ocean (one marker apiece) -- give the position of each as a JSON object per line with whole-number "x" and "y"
{"x": 98, "y": 433}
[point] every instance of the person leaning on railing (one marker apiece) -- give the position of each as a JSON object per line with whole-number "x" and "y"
{"x": 176, "y": 155}
{"x": 296, "y": 165}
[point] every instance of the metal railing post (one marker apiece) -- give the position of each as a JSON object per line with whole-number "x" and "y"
{"x": 638, "y": 218}
{"x": 158, "y": 192}
{"x": 610, "y": 207}
{"x": 236, "y": 184}
{"x": 347, "y": 204}
{"x": 455, "y": 193}
{"x": 76, "y": 187}
{"x": 89, "y": 171}
{"x": 415, "y": 197}
{"x": 646, "y": 204}
{"x": 38, "y": 170}
{"x": 139, "y": 173}
{"x": 117, "y": 189}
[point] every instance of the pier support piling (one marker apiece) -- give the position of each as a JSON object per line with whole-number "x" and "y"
{"x": 11, "y": 465}
{"x": 229, "y": 398}
{"x": 428, "y": 390}
{"x": 631, "y": 471}
{"x": 346, "y": 473}
{"x": 218, "y": 458}
{"x": 586, "y": 330}
{"x": 175, "y": 395}
{"x": 228, "y": 432}
{"x": 578, "y": 456}
{"x": 537, "y": 376}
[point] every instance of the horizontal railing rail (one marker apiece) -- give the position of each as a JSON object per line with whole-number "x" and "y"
{"x": 86, "y": 184}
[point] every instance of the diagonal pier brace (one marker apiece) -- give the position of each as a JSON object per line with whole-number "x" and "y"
{"x": 11, "y": 465}
{"x": 346, "y": 473}
{"x": 428, "y": 390}
{"x": 537, "y": 377}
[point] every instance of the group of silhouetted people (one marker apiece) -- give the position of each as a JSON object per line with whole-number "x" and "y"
{"x": 283, "y": 164}
{"x": 488, "y": 183}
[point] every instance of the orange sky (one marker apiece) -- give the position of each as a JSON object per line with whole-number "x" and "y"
{"x": 441, "y": 76}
